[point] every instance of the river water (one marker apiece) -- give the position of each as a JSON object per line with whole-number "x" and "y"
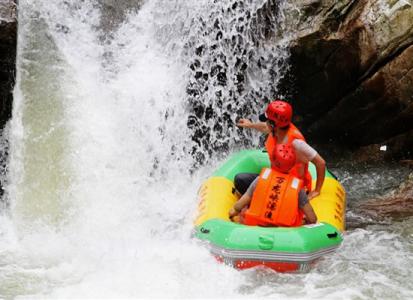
{"x": 104, "y": 163}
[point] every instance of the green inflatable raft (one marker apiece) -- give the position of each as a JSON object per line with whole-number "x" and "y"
{"x": 284, "y": 249}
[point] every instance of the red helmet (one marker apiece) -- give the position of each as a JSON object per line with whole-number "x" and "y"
{"x": 280, "y": 112}
{"x": 283, "y": 158}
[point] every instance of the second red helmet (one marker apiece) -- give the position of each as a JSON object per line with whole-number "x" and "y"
{"x": 284, "y": 158}
{"x": 280, "y": 112}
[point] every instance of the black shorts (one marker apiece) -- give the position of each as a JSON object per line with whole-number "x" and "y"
{"x": 243, "y": 180}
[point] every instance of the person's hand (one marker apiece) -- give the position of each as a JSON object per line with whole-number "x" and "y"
{"x": 232, "y": 213}
{"x": 313, "y": 194}
{"x": 244, "y": 123}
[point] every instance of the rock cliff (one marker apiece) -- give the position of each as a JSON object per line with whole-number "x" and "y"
{"x": 352, "y": 73}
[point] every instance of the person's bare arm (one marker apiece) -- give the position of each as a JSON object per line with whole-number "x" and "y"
{"x": 239, "y": 205}
{"x": 320, "y": 166}
{"x": 309, "y": 213}
{"x": 260, "y": 126}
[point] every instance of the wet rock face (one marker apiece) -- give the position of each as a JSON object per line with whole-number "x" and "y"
{"x": 352, "y": 73}
{"x": 8, "y": 36}
{"x": 397, "y": 204}
{"x": 230, "y": 45}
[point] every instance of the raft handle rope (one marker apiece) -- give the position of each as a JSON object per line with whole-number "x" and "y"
{"x": 332, "y": 235}
{"x": 204, "y": 230}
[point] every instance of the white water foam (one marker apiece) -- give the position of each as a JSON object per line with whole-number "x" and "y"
{"x": 101, "y": 194}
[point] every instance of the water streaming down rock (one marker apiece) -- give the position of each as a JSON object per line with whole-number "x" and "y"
{"x": 99, "y": 185}
{"x": 238, "y": 51}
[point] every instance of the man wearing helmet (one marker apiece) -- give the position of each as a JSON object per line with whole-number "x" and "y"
{"x": 284, "y": 141}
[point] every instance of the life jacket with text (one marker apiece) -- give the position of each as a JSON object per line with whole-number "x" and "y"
{"x": 300, "y": 170}
{"x": 275, "y": 200}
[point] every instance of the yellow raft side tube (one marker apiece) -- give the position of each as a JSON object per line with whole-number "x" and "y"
{"x": 215, "y": 199}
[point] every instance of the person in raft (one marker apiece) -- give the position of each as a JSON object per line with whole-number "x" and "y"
{"x": 289, "y": 154}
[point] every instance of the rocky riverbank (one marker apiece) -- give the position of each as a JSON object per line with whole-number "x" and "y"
{"x": 396, "y": 204}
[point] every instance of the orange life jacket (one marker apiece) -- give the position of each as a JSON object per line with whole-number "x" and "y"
{"x": 275, "y": 200}
{"x": 300, "y": 170}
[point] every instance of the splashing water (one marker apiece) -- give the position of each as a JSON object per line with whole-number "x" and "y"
{"x": 103, "y": 141}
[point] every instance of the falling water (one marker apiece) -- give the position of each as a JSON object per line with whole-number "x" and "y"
{"x": 116, "y": 124}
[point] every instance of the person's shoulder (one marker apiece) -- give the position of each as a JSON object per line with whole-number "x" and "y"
{"x": 302, "y": 146}
{"x": 297, "y": 143}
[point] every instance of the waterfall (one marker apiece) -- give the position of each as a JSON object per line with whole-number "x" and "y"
{"x": 238, "y": 52}
{"x": 116, "y": 122}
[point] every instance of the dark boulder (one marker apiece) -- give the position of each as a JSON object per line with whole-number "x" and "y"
{"x": 352, "y": 73}
{"x": 397, "y": 204}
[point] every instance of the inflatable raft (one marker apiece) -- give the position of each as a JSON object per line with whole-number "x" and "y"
{"x": 284, "y": 249}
